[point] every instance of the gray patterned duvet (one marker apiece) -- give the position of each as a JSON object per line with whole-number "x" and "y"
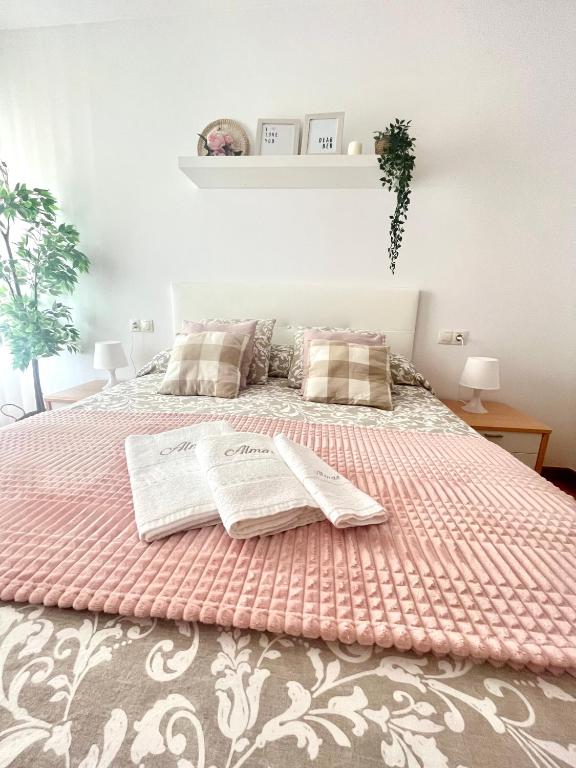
{"x": 88, "y": 690}
{"x": 415, "y": 408}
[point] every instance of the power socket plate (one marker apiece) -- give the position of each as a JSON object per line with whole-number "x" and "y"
{"x": 451, "y": 337}
{"x": 141, "y": 326}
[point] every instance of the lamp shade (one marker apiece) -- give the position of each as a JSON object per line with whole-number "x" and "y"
{"x": 109, "y": 355}
{"x": 481, "y": 373}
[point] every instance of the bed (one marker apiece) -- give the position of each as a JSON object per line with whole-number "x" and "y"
{"x": 92, "y": 689}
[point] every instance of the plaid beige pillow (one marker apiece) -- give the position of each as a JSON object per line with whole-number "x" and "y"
{"x": 304, "y": 334}
{"x": 205, "y": 364}
{"x": 348, "y": 374}
{"x": 247, "y": 328}
{"x": 260, "y": 356}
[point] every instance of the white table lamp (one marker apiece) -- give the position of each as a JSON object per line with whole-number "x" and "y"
{"x": 109, "y": 355}
{"x": 480, "y": 373}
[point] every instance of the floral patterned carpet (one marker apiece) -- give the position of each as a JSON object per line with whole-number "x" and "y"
{"x": 93, "y": 690}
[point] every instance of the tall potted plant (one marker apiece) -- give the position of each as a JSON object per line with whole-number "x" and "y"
{"x": 396, "y": 158}
{"x": 39, "y": 261}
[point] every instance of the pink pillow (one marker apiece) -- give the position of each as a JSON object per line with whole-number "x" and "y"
{"x": 371, "y": 339}
{"x": 247, "y": 329}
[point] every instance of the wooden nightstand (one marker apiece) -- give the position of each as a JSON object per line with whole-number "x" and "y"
{"x": 513, "y": 430}
{"x": 74, "y": 394}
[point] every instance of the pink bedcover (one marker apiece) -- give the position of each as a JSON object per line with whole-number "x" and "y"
{"x": 478, "y": 558}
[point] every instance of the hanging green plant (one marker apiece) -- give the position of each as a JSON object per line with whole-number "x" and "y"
{"x": 396, "y": 158}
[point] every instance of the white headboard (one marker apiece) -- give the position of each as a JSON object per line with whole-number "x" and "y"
{"x": 392, "y": 310}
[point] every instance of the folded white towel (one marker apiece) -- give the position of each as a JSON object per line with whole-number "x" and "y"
{"x": 168, "y": 488}
{"x": 342, "y": 503}
{"x": 255, "y": 492}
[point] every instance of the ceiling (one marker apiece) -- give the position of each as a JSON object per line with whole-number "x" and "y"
{"x": 19, "y": 14}
{"x": 23, "y": 14}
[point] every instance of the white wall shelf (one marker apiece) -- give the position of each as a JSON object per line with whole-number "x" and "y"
{"x": 283, "y": 172}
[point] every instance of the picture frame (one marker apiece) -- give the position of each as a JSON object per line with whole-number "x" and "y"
{"x": 323, "y": 133}
{"x": 277, "y": 136}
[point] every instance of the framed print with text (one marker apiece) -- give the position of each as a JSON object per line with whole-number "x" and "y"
{"x": 323, "y": 134}
{"x": 277, "y": 137}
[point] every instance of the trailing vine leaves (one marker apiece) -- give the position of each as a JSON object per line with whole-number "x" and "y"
{"x": 39, "y": 261}
{"x": 397, "y": 165}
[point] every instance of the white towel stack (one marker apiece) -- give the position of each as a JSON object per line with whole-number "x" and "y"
{"x": 342, "y": 503}
{"x": 169, "y": 489}
{"x": 255, "y": 485}
{"x": 255, "y": 491}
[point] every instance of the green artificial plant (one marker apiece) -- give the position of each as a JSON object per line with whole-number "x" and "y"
{"x": 396, "y": 161}
{"x": 39, "y": 261}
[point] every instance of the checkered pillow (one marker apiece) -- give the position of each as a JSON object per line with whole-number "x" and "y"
{"x": 260, "y": 356}
{"x": 348, "y": 374}
{"x": 247, "y": 328}
{"x": 304, "y": 335}
{"x": 205, "y": 364}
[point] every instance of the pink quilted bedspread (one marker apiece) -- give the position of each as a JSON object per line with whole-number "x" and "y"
{"x": 478, "y": 558}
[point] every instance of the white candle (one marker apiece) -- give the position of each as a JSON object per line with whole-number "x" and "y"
{"x": 355, "y": 148}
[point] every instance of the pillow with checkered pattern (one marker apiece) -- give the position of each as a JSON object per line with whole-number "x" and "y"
{"x": 304, "y": 335}
{"x": 206, "y": 363}
{"x": 348, "y": 374}
{"x": 260, "y": 355}
{"x": 248, "y": 328}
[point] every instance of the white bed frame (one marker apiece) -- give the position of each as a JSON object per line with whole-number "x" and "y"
{"x": 370, "y": 306}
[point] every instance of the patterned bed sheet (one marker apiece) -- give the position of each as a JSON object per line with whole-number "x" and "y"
{"x": 97, "y": 691}
{"x": 414, "y": 408}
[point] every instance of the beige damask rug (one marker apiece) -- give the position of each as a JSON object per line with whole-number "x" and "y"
{"x": 88, "y": 690}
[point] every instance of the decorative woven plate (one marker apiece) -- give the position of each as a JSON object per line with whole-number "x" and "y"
{"x": 223, "y": 137}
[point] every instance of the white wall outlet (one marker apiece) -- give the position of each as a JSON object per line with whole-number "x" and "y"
{"x": 460, "y": 337}
{"x": 147, "y": 326}
{"x": 452, "y": 337}
{"x": 445, "y": 337}
{"x": 134, "y": 325}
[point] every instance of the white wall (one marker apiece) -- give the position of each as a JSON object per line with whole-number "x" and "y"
{"x": 99, "y": 113}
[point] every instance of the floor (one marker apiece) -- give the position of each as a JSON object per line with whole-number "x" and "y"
{"x": 563, "y": 478}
